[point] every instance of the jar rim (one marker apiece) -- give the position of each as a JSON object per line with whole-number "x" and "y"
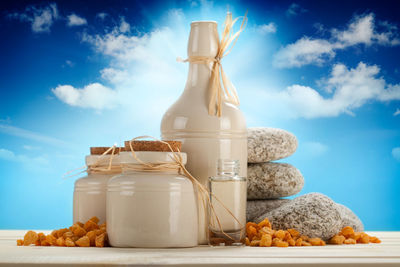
{"x": 102, "y": 160}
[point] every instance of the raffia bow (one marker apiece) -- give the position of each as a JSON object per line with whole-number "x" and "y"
{"x": 221, "y": 88}
{"x": 102, "y": 165}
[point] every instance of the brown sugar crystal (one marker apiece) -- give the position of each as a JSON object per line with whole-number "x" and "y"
{"x": 84, "y": 241}
{"x": 89, "y": 234}
{"x": 101, "y": 240}
{"x": 348, "y": 236}
{"x": 337, "y": 240}
{"x": 30, "y": 238}
{"x": 262, "y": 235}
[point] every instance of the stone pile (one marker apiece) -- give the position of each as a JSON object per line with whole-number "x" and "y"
{"x": 312, "y": 214}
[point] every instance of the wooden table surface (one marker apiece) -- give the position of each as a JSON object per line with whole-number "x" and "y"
{"x": 385, "y": 254}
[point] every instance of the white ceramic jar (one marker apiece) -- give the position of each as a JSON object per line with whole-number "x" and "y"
{"x": 151, "y": 209}
{"x": 90, "y": 191}
{"x": 205, "y": 138}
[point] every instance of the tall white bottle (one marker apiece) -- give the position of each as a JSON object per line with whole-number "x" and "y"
{"x": 205, "y": 138}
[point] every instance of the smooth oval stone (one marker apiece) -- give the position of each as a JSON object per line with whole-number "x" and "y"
{"x": 273, "y": 180}
{"x": 349, "y": 218}
{"x": 314, "y": 215}
{"x": 256, "y": 208}
{"x": 269, "y": 144}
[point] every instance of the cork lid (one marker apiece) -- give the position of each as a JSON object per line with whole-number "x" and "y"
{"x": 99, "y": 150}
{"x": 154, "y": 146}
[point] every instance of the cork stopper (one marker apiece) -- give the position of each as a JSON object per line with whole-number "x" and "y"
{"x": 99, "y": 150}
{"x": 154, "y": 146}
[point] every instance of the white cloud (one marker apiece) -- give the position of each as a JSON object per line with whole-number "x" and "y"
{"x": 397, "y": 112}
{"x": 75, "y": 20}
{"x": 362, "y": 30}
{"x": 124, "y": 26}
{"x": 94, "y": 95}
{"x": 319, "y": 27}
{"x": 267, "y": 28}
{"x": 19, "y": 132}
{"x": 304, "y": 51}
{"x": 314, "y": 149}
{"x": 102, "y": 15}
{"x": 6, "y": 154}
{"x": 143, "y": 76}
{"x": 294, "y": 10}
{"x": 193, "y": 3}
{"x": 41, "y": 18}
{"x": 349, "y": 89}
{"x": 69, "y": 63}
{"x": 31, "y": 163}
{"x": 396, "y": 153}
{"x": 30, "y": 147}
{"x": 6, "y": 120}
{"x": 42, "y": 22}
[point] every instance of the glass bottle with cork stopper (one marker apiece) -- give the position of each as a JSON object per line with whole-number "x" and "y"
{"x": 227, "y": 214}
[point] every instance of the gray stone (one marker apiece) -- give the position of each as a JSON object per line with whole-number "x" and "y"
{"x": 273, "y": 180}
{"x": 268, "y": 144}
{"x": 349, "y": 218}
{"x": 314, "y": 215}
{"x": 256, "y": 208}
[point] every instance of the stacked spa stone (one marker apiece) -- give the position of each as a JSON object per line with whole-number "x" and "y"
{"x": 268, "y": 181}
{"x": 312, "y": 214}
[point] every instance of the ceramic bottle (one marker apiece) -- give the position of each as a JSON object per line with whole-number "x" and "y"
{"x": 205, "y": 138}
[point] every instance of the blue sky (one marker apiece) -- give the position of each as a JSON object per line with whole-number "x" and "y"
{"x": 75, "y": 75}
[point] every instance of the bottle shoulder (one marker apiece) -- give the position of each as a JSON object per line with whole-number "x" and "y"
{"x": 193, "y": 116}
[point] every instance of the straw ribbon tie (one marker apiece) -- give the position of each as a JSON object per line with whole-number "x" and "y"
{"x": 221, "y": 88}
{"x": 102, "y": 165}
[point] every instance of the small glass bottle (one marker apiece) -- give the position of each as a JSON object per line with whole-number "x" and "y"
{"x": 227, "y": 216}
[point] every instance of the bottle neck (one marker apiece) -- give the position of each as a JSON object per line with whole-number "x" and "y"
{"x": 228, "y": 173}
{"x": 203, "y": 41}
{"x": 228, "y": 167}
{"x": 198, "y": 77}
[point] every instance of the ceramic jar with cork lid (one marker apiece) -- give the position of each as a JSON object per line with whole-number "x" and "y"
{"x": 151, "y": 208}
{"x": 90, "y": 190}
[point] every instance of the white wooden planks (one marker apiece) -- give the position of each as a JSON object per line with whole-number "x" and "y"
{"x": 385, "y": 254}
